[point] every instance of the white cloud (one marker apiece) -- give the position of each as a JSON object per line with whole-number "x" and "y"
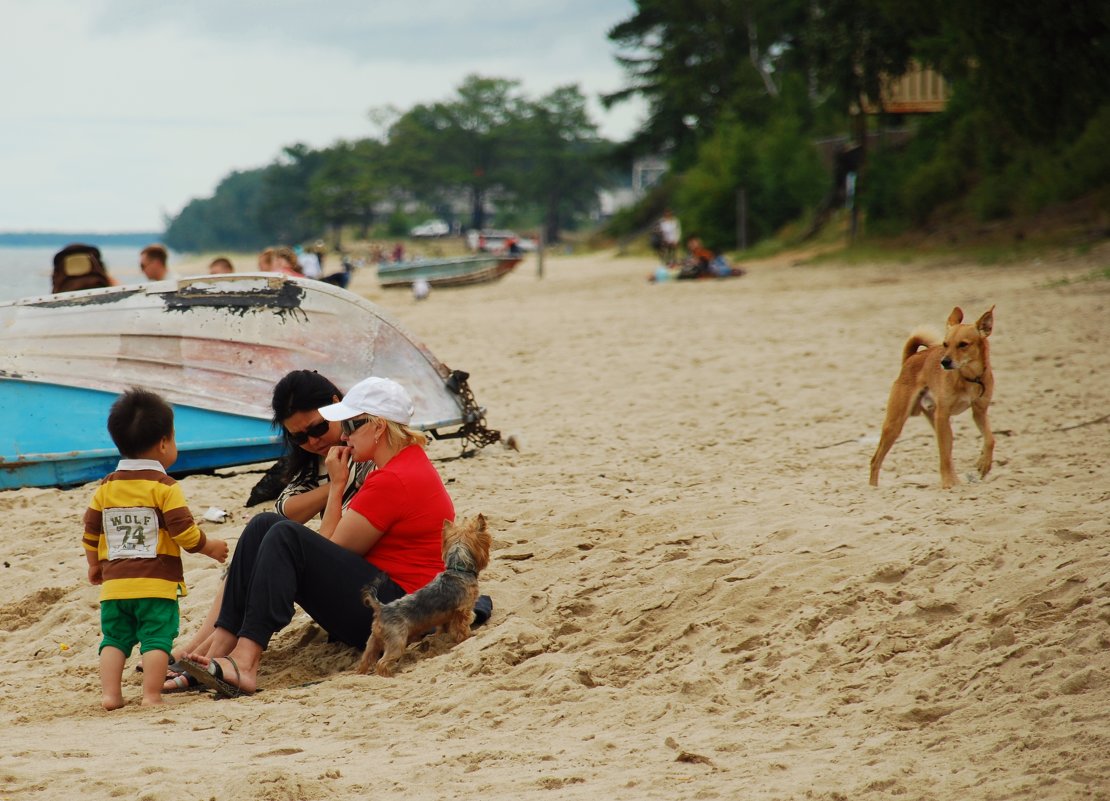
{"x": 119, "y": 111}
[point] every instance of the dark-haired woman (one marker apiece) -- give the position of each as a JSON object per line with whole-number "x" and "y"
{"x": 308, "y": 438}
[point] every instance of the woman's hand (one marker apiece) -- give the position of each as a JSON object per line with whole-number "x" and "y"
{"x": 339, "y": 468}
{"x": 338, "y": 464}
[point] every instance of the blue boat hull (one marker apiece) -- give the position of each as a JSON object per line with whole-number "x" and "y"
{"x": 67, "y": 427}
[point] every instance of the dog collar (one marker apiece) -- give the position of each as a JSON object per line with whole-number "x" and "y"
{"x": 979, "y": 381}
{"x": 462, "y": 570}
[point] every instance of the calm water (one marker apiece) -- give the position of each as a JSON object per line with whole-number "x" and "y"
{"x": 25, "y": 271}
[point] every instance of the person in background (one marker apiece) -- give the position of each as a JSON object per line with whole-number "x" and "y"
{"x": 285, "y": 261}
{"x": 266, "y": 260}
{"x": 398, "y": 252}
{"x": 152, "y": 261}
{"x": 670, "y": 231}
{"x": 704, "y": 263}
{"x": 135, "y": 527}
{"x": 308, "y": 262}
{"x": 697, "y": 263}
{"x": 220, "y": 266}
{"x": 79, "y": 266}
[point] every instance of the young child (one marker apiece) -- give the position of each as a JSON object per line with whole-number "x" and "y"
{"x": 135, "y": 527}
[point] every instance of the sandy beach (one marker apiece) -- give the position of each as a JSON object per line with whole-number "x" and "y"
{"x": 697, "y": 594}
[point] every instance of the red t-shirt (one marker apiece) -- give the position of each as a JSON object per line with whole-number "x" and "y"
{"x": 407, "y": 502}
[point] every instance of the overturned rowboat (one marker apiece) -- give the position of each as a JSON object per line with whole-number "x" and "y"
{"x": 450, "y": 271}
{"x": 213, "y": 346}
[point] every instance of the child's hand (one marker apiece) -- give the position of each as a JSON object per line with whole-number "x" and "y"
{"x": 215, "y": 548}
{"x": 94, "y": 574}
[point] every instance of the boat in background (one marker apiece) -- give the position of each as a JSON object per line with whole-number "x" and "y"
{"x": 448, "y": 271}
{"x": 213, "y": 346}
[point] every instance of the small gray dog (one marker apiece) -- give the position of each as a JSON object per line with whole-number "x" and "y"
{"x": 446, "y": 601}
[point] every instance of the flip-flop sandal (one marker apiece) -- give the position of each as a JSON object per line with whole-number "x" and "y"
{"x": 212, "y": 677}
{"x": 182, "y": 681}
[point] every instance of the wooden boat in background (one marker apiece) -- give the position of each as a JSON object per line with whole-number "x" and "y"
{"x": 449, "y": 271}
{"x": 213, "y": 346}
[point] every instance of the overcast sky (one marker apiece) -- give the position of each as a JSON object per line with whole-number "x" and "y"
{"x": 116, "y": 113}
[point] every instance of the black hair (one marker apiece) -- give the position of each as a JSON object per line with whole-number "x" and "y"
{"x": 300, "y": 391}
{"x": 138, "y": 420}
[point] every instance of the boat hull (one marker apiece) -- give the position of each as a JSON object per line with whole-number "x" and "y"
{"x": 213, "y": 347}
{"x": 461, "y": 271}
{"x": 59, "y": 437}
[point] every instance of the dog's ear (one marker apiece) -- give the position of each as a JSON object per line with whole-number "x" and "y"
{"x": 480, "y": 520}
{"x": 985, "y": 324}
{"x": 956, "y": 317}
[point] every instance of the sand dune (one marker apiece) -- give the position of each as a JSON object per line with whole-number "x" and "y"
{"x": 697, "y": 594}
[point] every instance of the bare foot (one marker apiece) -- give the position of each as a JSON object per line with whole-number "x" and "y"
{"x": 110, "y": 702}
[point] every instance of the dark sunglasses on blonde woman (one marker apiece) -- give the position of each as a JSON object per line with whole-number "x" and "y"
{"x": 354, "y": 424}
{"x": 316, "y": 430}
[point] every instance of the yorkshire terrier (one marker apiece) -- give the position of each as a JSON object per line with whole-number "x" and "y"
{"x": 447, "y": 601}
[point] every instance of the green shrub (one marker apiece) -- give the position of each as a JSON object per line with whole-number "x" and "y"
{"x": 1081, "y": 167}
{"x": 777, "y": 167}
{"x": 930, "y": 185}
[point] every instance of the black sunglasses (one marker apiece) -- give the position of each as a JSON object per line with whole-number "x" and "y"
{"x": 354, "y": 424}
{"x": 315, "y": 430}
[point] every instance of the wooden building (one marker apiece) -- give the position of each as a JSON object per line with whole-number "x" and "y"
{"x": 919, "y": 91}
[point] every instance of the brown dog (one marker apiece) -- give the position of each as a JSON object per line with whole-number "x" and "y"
{"x": 941, "y": 381}
{"x": 446, "y": 601}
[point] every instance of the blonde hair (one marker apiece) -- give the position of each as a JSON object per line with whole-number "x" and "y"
{"x": 266, "y": 259}
{"x": 399, "y": 434}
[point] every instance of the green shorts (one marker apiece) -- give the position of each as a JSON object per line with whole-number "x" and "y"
{"x": 151, "y": 622}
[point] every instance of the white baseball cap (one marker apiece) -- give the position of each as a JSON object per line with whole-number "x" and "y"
{"x": 381, "y": 397}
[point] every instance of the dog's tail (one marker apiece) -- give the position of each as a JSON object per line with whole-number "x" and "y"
{"x": 923, "y": 337}
{"x": 370, "y": 597}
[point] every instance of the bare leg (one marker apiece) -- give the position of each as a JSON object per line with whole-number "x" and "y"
{"x": 201, "y": 639}
{"x": 154, "y": 674}
{"x": 111, "y": 677}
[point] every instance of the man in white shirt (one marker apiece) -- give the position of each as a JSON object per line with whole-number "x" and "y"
{"x": 671, "y": 231}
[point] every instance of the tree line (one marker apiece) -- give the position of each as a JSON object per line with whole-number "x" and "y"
{"x": 540, "y": 158}
{"x": 739, "y": 90}
{"x": 738, "y": 93}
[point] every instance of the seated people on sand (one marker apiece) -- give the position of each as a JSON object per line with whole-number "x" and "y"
{"x": 389, "y": 536}
{"x": 704, "y": 263}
